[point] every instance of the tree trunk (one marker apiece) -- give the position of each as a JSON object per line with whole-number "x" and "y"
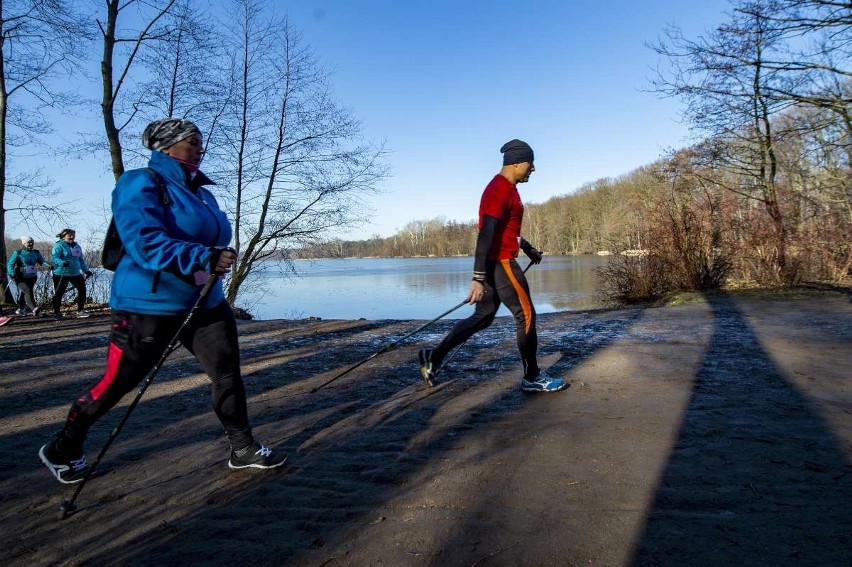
{"x": 108, "y": 98}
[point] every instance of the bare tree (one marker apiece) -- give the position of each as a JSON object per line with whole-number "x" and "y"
{"x": 291, "y": 159}
{"x": 286, "y": 157}
{"x": 119, "y": 58}
{"x": 186, "y": 70}
{"x": 816, "y": 65}
{"x": 40, "y": 41}
{"x": 726, "y": 84}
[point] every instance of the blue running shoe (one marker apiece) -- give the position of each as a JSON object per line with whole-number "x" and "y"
{"x": 543, "y": 383}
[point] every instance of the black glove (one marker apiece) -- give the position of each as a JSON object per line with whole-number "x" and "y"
{"x": 533, "y": 254}
{"x": 88, "y": 273}
{"x": 215, "y": 255}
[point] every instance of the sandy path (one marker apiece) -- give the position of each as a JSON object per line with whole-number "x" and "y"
{"x": 706, "y": 434}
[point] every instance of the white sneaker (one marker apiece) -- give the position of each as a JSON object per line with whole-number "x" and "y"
{"x": 65, "y": 469}
{"x": 36, "y": 311}
{"x": 82, "y": 314}
{"x": 427, "y": 369}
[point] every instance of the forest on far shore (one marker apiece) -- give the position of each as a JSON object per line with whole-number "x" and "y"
{"x": 601, "y": 216}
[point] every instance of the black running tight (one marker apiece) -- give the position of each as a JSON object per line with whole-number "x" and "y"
{"x": 136, "y": 344}
{"x": 504, "y": 283}
{"x": 60, "y": 284}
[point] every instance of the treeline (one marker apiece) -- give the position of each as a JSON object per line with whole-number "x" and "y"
{"x": 436, "y": 237}
{"x": 597, "y": 217}
{"x": 600, "y": 216}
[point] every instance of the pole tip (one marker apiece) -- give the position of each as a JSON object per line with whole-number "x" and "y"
{"x": 66, "y": 508}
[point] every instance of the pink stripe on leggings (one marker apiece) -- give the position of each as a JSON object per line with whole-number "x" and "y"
{"x": 113, "y": 360}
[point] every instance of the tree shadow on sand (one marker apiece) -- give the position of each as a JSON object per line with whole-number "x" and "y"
{"x": 756, "y": 476}
{"x": 353, "y": 448}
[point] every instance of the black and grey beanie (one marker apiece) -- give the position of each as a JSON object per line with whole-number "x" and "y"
{"x": 516, "y": 151}
{"x": 166, "y": 132}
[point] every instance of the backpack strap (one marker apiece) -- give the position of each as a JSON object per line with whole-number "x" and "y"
{"x": 158, "y": 180}
{"x": 113, "y": 249}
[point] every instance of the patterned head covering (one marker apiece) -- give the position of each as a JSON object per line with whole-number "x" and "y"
{"x": 166, "y": 132}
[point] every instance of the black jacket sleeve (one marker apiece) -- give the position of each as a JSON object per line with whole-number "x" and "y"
{"x": 484, "y": 240}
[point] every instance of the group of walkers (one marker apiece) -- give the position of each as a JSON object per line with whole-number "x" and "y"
{"x": 176, "y": 238}
{"x": 69, "y": 269}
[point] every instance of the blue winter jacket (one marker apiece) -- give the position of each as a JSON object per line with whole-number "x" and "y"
{"x": 165, "y": 243}
{"x": 68, "y": 259}
{"x": 28, "y": 262}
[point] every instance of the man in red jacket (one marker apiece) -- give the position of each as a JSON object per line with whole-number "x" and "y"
{"x": 497, "y": 277}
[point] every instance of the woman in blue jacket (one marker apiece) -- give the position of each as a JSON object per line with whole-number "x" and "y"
{"x": 174, "y": 236}
{"x": 24, "y": 265}
{"x": 68, "y": 269}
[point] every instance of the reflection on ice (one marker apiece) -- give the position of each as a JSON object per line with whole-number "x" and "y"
{"x": 407, "y": 288}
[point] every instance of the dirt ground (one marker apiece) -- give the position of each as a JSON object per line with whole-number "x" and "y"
{"x": 717, "y": 432}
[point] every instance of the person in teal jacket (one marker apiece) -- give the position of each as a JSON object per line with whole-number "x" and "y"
{"x": 69, "y": 267}
{"x": 24, "y": 265}
{"x": 174, "y": 236}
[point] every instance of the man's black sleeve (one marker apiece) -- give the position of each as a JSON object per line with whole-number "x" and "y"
{"x": 484, "y": 240}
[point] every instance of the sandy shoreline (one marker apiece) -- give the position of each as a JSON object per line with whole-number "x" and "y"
{"x": 718, "y": 432}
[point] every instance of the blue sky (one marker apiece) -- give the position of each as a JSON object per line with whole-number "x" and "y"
{"x": 445, "y": 83}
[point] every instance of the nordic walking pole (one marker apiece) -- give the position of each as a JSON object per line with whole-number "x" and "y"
{"x": 68, "y": 506}
{"x": 390, "y": 346}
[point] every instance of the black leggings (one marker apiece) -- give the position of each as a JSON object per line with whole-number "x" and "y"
{"x": 504, "y": 283}
{"x": 60, "y": 284}
{"x": 136, "y": 344}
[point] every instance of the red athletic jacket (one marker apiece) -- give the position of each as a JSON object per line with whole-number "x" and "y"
{"x": 502, "y": 201}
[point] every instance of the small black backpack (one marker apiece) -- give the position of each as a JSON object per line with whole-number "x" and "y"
{"x": 113, "y": 248}
{"x": 18, "y": 265}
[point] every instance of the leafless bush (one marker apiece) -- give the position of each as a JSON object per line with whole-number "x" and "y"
{"x": 688, "y": 244}
{"x": 633, "y": 279}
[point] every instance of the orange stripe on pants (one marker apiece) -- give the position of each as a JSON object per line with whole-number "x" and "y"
{"x": 522, "y": 295}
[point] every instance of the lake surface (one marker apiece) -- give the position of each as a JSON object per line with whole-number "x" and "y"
{"x": 407, "y": 288}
